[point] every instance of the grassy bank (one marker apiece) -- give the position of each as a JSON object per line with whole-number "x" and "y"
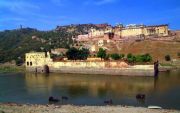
{"x": 9, "y": 69}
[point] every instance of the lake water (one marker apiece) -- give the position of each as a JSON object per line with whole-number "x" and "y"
{"x": 163, "y": 91}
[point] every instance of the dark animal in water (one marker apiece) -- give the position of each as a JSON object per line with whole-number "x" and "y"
{"x": 108, "y": 102}
{"x": 64, "y": 98}
{"x": 52, "y": 99}
{"x": 140, "y": 96}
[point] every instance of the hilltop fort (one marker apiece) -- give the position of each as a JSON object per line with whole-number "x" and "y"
{"x": 120, "y": 32}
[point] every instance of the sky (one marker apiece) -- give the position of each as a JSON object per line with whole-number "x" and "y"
{"x": 47, "y": 14}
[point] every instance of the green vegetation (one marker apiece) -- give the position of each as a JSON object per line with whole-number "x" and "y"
{"x": 139, "y": 58}
{"x": 168, "y": 58}
{"x": 15, "y": 43}
{"x": 77, "y": 54}
{"x": 116, "y": 56}
{"x": 102, "y": 53}
{"x": 131, "y": 58}
{"x": 166, "y": 64}
{"x": 7, "y": 69}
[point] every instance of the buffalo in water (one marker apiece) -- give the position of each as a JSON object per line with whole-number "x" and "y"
{"x": 108, "y": 102}
{"x": 53, "y": 100}
{"x": 140, "y": 96}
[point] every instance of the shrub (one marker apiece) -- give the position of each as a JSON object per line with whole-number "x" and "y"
{"x": 167, "y": 57}
{"x": 115, "y": 56}
{"x": 129, "y": 55}
{"x": 147, "y": 58}
{"x": 139, "y": 58}
{"x": 131, "y": 58}
{"x": 101, "y": 53}
{"x": 76, "y": 54}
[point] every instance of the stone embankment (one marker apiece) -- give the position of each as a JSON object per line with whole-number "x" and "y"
{"x": 96, "y": 67}
{"x": 15, "y": 108}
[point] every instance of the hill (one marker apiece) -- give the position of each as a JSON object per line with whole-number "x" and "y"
{"x": 15, "y": 43}
{"x": 158, "y": 49}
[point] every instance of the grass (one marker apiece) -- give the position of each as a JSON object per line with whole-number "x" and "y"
{"x": 166, "y": 64}
{"x": 8, "y": 69}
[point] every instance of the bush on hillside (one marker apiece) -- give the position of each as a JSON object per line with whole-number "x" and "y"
{"x": 115, "y": 56}
{"x": 168, "y": 58}
{"x": 139, "y": 58}
{"x": 101, "y": 53}
{"x": 77, "y": 54}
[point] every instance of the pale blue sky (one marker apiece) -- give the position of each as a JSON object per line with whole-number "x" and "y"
{"x": 47, "y": 14}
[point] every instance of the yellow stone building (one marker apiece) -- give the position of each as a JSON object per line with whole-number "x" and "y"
{"x": 132, "y": 30}
{"x": 37, "y": 59}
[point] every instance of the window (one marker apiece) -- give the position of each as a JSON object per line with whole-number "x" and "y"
{"x": 30, "y": 63}
{"x": 27, "y": 63}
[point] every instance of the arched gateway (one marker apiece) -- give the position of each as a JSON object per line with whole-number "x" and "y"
{"x": 46, "y": 69}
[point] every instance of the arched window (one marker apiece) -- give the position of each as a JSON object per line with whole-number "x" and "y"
{"x": 27, "y": 63}
{"x": 30, "y": 63}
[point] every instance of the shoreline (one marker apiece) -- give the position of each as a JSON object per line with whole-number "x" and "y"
{"x": 135, "y": 71}
{"x": 11, "y": 69}
{"x": 34, "y": 108}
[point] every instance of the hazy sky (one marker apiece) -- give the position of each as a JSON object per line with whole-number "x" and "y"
{"x": 47, "y": 14}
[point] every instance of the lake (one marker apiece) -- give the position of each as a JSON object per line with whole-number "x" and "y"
{"x": 32, "y": 88}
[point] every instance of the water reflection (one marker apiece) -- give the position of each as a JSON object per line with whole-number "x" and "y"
{"x": 92, "y": 89}
{"x": 95, "y": 86}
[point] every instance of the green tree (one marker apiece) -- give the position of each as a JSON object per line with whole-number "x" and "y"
{"x": 72, "y": 54}
{"x": 76, "y": 54}
{"x": 143, "y": 58}
{"x": 101, "y": 53}
{"x": 147, "y": 58}
{"x": 83, "y": 54}
{"x": 131, "y": 58}
{"x": 115, "y": 56}
{"x": 139, "y": 58}
{"x": 129, "y": 55}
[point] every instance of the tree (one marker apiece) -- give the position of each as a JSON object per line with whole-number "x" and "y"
{"x": 101, "y": 53}
{"x": 115, "y": 56}
{"x": 143, "y": 58}
{"x": 76, "y": 54}
{"x": 129, "y": 55}
{"x": 83, "y": 54}
{"x": 72, "y": 54}
{"x": 147, "y": 58}
{"x": 167, "y": 57}
{"x": 131, "y": 58}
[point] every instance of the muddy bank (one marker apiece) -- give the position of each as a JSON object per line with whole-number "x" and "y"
{"x": 16, "y": 108}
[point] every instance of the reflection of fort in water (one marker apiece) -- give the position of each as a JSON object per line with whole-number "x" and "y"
{"x": 78, "y": 85}
{"x": 94, "y": 85}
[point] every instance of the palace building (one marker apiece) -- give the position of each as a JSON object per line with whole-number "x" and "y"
{"x": 131, "y": 30}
